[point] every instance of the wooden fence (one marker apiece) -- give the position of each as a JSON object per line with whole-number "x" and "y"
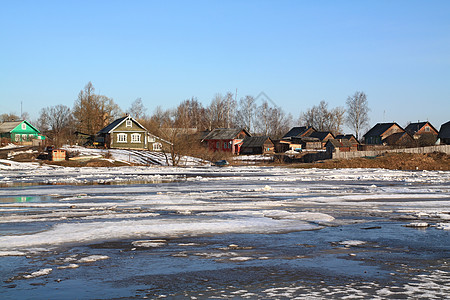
{"x": 430, "y": 149}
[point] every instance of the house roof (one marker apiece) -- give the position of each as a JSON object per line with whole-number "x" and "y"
{"x": 224, "y": 134}
{"x": 444, "y": 132}
{"x": 254, "y": 141}
{"x": 345, "y": 136}
{"x": 340, "y": 143}
{"x": 111, "y": 126}
{"x": 321, "y": 135}
{"x": 10, "y": 125}
{"x": 396, "y": 137}
{"x": 412, "y": 128}
{"x": 379, "y": 129}
{"x": 296, "y": 131}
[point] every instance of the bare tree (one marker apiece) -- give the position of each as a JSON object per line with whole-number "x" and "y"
{"x": 57, "y": 123}
{"x": 324, "y": 119}
{"x": 279, "y": 123}
{"x": 92, "y": 112}
{"x": 137, "y": 109}
{"x": 9, "y": 117}
{"x": 217, "y": 113}
{"x": 190, "y": 114}
{"x": 357, "y": 112}
{"x": 262, "y": 123}
{"x": 245, "y": 114}
{"x": 230, "y": 107}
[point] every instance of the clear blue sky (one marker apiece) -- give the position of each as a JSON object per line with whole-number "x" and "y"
{"x": 297, "y": 52}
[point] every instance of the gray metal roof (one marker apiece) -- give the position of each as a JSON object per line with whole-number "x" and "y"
{"x": 9, "y": 126}
{"x": 296, "y": 131}
{"x": 254, "y": 141}
{"x": 321, "y": 135}
{"x": 116, "y": 123}
{"x": 379, "y": 129}
{"x": 224, "y": 134}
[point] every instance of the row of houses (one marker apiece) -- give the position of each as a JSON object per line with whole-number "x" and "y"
{"x": 306, "y": 138}
{"x": 126, "y": 132}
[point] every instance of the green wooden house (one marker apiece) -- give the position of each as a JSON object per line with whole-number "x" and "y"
{"x": 21, "y": 132}
{"x": 124, "y": 133}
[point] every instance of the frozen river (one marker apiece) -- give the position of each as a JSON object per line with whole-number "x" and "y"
{"x": 253, "y": 232}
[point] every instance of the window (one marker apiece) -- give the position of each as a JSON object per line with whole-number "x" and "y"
{"x": 157, "y": 147}
{"x": 24, "y": 137}
{"x": 17, "y": 137}
{"x": 151, "y": 139}
{"x": 217, "y": 145}
{"x": 121, "y": 138}
{"x": 136, "y": 138}
{"x": 427, "y": 129}
{"x": 129, "y": 123}
{"x": 24, "y": 126}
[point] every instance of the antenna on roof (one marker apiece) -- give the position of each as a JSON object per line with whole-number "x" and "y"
{"x": 21, "y": 113}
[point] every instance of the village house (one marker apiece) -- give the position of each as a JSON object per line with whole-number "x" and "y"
{"x": 377, "y": 135}
{"x": 226, "y": 139}
{"x": 125, "y": 133}
{"x": 20, "y": 132}
{"x": 350, "y": 137}
{"x": 444, "y": 133}
{"x": 400, "y": 139}
{"x": 342, "y": 145}
{"x": 323, "y": 136}
{"x": 257, "y": 145}
{"x": 416, "y": 130}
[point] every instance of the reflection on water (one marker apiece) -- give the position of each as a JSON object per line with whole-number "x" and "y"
{"x": 23, "y": 199}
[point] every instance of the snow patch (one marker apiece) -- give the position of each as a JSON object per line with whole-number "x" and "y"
{"x": 41, "y": 272}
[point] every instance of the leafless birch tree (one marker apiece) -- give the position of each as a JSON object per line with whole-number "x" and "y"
{"x": 357, "y": 112}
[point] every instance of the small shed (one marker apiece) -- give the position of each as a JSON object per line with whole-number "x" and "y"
{"x": 58, "y": 155}
{"x": 342, "y": 145}
{"x": 257, "y": 145}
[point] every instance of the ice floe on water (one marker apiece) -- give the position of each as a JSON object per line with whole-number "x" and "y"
{"x": 41, "y": 272}
{"x": 92, "y": 258}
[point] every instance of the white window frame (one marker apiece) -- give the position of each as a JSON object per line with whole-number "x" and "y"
{"x": 17, "y": 137}
{"x": 136, "y": 138}
{"x": 24, "y": 137}
{"x": 151, "y": 139}
{"x": 157, "y": 146}
{"x": 24, "y": 126}
{"x": 427, "y": 129}
{"x": 122, "y": 138}
{"x": 128, "y": 123}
